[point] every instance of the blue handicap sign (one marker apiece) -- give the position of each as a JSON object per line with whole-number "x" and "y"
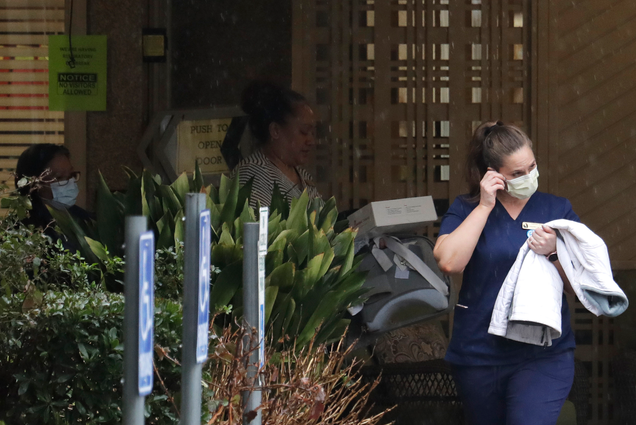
{"x": 146, "y": 311}
{"x": 261, "y": 334}
{"x": 203, "y": 310}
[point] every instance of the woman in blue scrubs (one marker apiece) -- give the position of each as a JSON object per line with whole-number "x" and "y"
{"x": 502, "y": 381}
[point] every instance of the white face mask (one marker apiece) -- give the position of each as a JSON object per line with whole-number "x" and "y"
{"x": 523, "y": 187}
{"x": 65, "y": 192}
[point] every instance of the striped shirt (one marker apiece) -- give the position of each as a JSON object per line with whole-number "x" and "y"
{"x": 266, "y": 174}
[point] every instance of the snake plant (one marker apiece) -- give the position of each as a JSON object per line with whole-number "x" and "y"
{"x": 311, "y": 276}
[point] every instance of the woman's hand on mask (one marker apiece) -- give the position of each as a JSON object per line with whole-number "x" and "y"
{"x": 489, "y": 185}
{"x": 543, "y": 241}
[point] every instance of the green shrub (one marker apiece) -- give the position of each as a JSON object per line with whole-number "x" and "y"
{"x": 29, "y": 260}
{"x": 62, "y": 360}
{"x": 169, "y": 273}
{"x": 61, "y": 357}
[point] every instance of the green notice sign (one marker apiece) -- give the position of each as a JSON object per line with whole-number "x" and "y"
{"x": 77, "y": 82}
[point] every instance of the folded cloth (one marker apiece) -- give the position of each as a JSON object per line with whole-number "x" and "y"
{"x": 528, "y": 306}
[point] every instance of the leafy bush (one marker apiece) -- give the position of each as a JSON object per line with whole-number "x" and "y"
{"x": 11, "y": 199}
{"x": 66, "y": 358}
{"x": 61, "y": 356}
{"x": 62, "y": 360}
{"x": 169, "y": 273}
{"x": 29, "y": 260}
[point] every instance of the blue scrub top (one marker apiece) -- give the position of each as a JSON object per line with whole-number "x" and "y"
{"x": 494, "y": 255}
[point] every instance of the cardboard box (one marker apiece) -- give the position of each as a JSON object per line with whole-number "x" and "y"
{"x": 395, "y": 216}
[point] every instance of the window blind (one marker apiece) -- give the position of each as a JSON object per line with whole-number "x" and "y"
{"x": 24, "y": 116}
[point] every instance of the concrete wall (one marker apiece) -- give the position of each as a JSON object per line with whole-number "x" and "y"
{"x": 217, "y": 47}
{"x": 113, "y": 135}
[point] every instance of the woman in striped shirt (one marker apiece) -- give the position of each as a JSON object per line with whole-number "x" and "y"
{"x": 284, "y": 126}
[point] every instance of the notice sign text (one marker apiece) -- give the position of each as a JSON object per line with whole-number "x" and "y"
{"x": 77, "y": 84}
{"x": 77, "y": 73}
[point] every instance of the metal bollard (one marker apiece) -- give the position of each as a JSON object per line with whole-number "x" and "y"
{"x": 251, "y": 399}
{"x": 190, "y": 369}
{"x": 133, "y": 403}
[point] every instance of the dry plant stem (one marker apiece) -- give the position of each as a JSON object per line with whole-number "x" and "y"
{"x": 165, "y": 389}
{"x": 216, "y": 416}
{"x": 314, "y": 385}
{"x": 163, "y": 353}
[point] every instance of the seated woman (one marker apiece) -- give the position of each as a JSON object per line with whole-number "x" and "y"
{"x": 55, "y": 183}
{"x": 284, "y": 126}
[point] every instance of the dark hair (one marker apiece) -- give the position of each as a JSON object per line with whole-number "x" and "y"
{"x": 491, "y": 144}
{"x": 35, "y": 160}
{"x": 266, "y": 103}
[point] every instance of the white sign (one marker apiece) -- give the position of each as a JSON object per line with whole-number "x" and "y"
{"x": 200, "y": 141}
{"x": 146, "y": 311}
{"x": 262, "y": 253}
{"x": 203, "y": 310}
{"x": 394, "y": 216}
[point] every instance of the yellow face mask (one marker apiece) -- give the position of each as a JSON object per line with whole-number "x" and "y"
{"x": 524, "y": 187}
